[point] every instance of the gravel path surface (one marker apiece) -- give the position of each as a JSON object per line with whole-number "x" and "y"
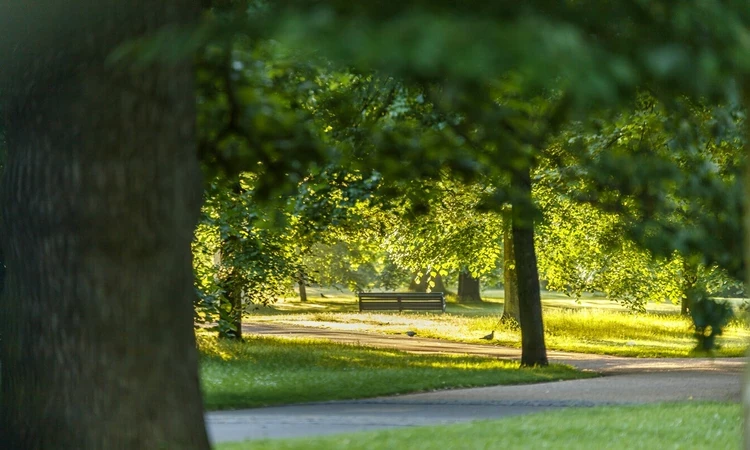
{"x": 625, "y": 381}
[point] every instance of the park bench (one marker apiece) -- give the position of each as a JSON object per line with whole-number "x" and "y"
{"x": 401, "y": 301}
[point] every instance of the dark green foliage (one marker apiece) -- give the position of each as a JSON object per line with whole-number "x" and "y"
{"x": 237, "y": 255}
{"x": 709, "y": 317}
{"x": 254, "y": 114}
{"x": 596, "y": 50}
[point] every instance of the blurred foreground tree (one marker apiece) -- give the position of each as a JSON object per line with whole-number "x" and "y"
{"x": 100, "y": 196}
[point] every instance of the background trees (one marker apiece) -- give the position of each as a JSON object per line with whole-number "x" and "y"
{"x": 509, "y": 106}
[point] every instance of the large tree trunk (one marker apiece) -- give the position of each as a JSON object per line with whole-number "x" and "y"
{"x": 100, "y": 196}
{"x": 511, "y": 308}
{"x": 2, "y": 270}
{"x": 468, "y": 288}
{"x": 746, "y": 226}
{"x": 533, "y": 350}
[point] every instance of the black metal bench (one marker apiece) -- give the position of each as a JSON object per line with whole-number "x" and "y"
{"x": 401, "y": 301}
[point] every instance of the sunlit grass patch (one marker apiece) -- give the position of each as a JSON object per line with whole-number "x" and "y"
{"x": 271, "y": 371}
{"x": 578, "y": 329}
{"x": 628, "y": 334}
{"x": 675, "y": 425}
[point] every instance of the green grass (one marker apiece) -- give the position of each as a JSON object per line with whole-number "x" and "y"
{"x": 592, "y": 326}
{"x": 676, "y": 425}
{"x": 272, "y": 371}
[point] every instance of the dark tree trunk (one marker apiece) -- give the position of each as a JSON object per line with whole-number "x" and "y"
{"x": 439, "y": 285}
{"x": 533, "y": 350}
{"x": 468, "y": 288}
{"x": 2, "y": 270}
{"x": 422, "y": 284}
{"x": 100, "y": 195}
{"x": 415, "y": 283}
{"x": 746, "y": 254}
{"x": 237, "y": 310}
{"x": 511, "y": 308}
{"x": 302, "y": 282}
{"x": 685, "y": 306}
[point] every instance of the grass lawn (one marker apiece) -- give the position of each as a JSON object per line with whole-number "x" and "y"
{"x": 593, "y": 325}
{"x": 272, "y": 371}
{"x": 676, "y": 425}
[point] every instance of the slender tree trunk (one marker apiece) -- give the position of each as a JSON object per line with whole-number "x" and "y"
{"x": 302, "y": 287}
{"x": 689, "y": 281}
{"x": 533, "y": 350}
{"x": 237, "y": 310}
{"x": 231, "y": 308}
{"x": 99, "y": 198}
{"x": 511, "y": 308}
{"x": 468, "y": 288}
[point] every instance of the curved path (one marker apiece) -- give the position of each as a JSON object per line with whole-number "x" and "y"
{"x": 625, "y": 381}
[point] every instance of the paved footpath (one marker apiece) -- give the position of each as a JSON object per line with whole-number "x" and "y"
{"x": 625, "y": 381}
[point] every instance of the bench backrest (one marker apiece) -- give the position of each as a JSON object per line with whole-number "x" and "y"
{"x": 400, "y": 301}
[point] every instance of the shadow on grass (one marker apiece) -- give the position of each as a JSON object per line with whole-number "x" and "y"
{"x": 268, "y": 371}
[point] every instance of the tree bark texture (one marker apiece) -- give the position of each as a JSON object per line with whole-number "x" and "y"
{"x": 2, "y": 270}
{"x": 533, "y": 350}
{"x": 100, "y": 196}
{"x": 510, "y": 277}
{"x": 746, "y": 226}
{"x": 468, "y": 288}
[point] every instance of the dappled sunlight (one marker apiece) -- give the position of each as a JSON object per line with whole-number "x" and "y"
{"x": 593, "y": 325}
{"x": 210, "y": 347}
{"x": 396, "y": 359}
{"x": 483, "y": 365}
